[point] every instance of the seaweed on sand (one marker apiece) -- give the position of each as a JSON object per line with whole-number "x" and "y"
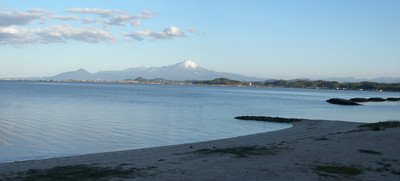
{"x": 268, "y": 119}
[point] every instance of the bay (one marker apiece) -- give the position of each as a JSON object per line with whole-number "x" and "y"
{"x": 50, "y": 119}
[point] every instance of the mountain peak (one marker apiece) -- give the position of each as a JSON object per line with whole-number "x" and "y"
{"x": 189, "y": 64}
{"x": 82, "y": 71}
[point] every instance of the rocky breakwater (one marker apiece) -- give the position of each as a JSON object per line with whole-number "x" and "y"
{"x": 343, "y": 102}
{"x": 357, "y": 101}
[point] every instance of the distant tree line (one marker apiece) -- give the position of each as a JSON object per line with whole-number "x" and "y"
{"x": 219, "y": 81}
{"x": 321, "y": 84}
{"x": 372, "y": 86}
{"x": 318, "y": 84}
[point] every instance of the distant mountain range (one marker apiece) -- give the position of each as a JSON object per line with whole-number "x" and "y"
{"x": 351, "y": 79}
{"x": 183, "y": 71}
{"x": 187, "y": 70}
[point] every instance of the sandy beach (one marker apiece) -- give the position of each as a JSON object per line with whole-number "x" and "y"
{"x": 310, "y": 150}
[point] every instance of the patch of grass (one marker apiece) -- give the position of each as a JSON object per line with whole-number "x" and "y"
{"x": 370, "y": 152}
{"x": 344, "y": 170}
{"x": 387, "y": 167}
{"x": 268, "y": 119}
{"x": 80, "y": 172}
{"x": 242, "y": 152}
{"x": 389, "y": 160}
{"x": 321, "y": 139}
{"x": 381, "y": 125}
{"x": 395, "y": 172}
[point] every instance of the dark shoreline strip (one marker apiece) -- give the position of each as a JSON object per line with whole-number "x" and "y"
{"x": 269, "y": 119}
{"x": 356, "y": 101}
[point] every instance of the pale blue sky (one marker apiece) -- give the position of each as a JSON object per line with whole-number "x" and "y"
{"x": 267, "y": 39}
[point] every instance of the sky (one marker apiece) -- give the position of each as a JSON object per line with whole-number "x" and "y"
{"x": 285, "y": 39}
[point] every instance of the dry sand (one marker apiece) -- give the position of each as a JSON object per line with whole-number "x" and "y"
{"x": 304, "y": 152}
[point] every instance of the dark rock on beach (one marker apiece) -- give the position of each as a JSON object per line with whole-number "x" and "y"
{"x": 393, "y": 99}
{"x": 355, "y": 101}
{"x": 376, "y": 99}
{"x": 342, "y": 102}
{"x": 268, "y": 119}
{"x": 359, "y": 99}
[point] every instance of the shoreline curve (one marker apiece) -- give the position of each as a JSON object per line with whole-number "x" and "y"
{"x": 287, "y": 154}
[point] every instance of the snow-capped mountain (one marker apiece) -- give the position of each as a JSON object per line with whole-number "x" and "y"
{"x": 188, "y": 65}
{"x": 187, "y": 70}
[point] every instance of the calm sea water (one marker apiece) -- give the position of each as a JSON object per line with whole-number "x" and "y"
{"x": 43, "y": 119}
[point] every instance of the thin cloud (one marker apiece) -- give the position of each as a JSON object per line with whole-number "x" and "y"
{"x": 114, "y": 17}
{"x": 22, "y": 27}
{"x": 62, "y": 33}
{"x": 170, "y": 32}
{"x": 76, "y": 18}
{"x": 17, "y": 17}
{"x": 146, "y": 14}
{"x": 53, "y": 34}
{"x": 16, "y": 36}
{"x": 90, "y": 20}
{"x": 69, "y": 17}
{"x": 100, "y": 12}
{"x": 123, "y": 20}
{"x": 192, "y": 30}
{"x": 133, "y": 20}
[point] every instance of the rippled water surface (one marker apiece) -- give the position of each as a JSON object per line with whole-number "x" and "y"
{"x": 45, "y": 119}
